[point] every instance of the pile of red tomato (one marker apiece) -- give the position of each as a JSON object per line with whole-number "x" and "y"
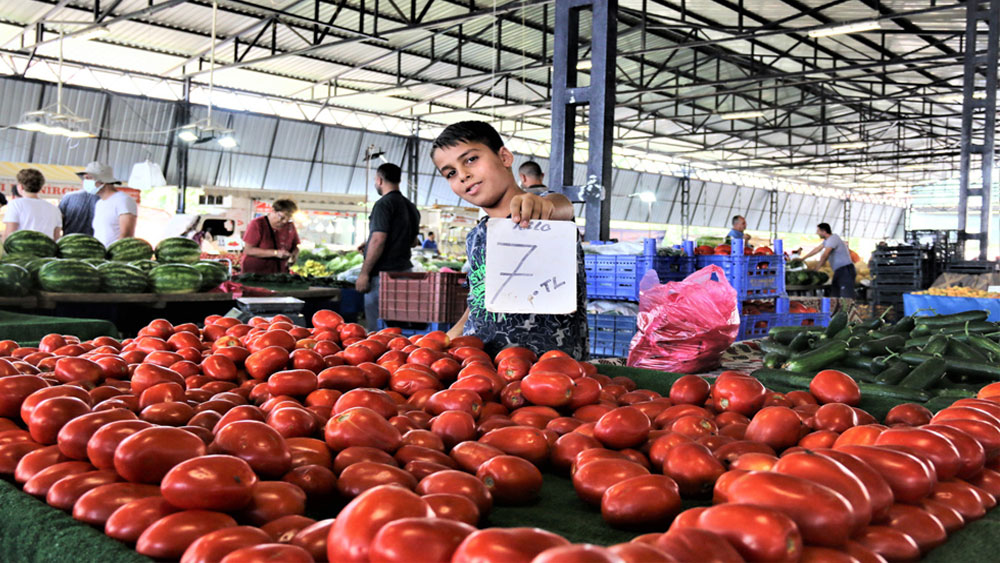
{"x": 207, "y": 444}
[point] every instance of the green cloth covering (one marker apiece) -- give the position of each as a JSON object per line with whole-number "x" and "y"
{"x": 31, "y": 328}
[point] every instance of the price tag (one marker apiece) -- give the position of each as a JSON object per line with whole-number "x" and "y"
{"x": 531, "y": 270}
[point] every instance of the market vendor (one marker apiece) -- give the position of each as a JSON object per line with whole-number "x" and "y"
{"x": 472, "y": 158}
{"x": 28, "y": 212}
{"x": 739, "y": 229}
{"x": 271, "y": 242}
{"x": 835, "y": 250}
{"x": 430, "y": 243}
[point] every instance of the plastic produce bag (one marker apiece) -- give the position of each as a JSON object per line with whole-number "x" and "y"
{"x": 684, "y": 327}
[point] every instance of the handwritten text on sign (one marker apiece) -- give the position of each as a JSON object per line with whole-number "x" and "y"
{"x": 531, "y": 270}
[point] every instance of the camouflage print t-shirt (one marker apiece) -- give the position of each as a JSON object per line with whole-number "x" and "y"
{"x": 539, "y": 333}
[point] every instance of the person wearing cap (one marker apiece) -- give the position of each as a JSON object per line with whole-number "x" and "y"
{"x": 77, "y": 207}
{"x": 28, "y": 212}
{"x": 115, "y": 212}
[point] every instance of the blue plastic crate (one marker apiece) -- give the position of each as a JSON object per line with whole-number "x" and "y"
{"x": 943, "y": 305}
{"x": 753, "y": 277}
{"x": 617, "y": 276}
{"x": 757, "y": 326}
{"x": 410, "y": 330}
{"x": 610, "y": 335}
{"x": 821, "y": 318}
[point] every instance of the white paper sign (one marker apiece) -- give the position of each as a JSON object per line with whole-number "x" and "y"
{"x": 531, "y": 270}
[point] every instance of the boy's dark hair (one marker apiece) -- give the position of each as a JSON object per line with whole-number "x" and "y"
{"x": 825, "y": 227}
{"x": 468, "y": 132}
{"x": 389, "y": 172}
{"x": 31, "y": 180}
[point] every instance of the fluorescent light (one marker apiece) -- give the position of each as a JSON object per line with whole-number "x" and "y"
{"x": 856, "y": 27}
{"x": 62, "y": 124}
{"x": 227, "y": 141}
{"x": 585, "y": 64}
{"x": 93, "y": 33}
{"x": 188, "y": 135}
{"x": 742, "y": 114}
{"x": 849, "y": 146}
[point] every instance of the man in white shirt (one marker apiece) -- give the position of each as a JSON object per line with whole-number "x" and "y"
{"x": 115, "y": 213}
{"x": 28, "y": 212}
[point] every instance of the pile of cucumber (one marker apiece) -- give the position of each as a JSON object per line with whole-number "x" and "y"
{"x": 917, "y": 358}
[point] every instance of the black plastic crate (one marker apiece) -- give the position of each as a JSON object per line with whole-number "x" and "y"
{"x": 971, "y": 267}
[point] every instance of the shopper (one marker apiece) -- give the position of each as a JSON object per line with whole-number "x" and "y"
{"x": 28, "y": 212}
{"x": 531, "y": 176}
{"x": 115, "y": 212}
{"x": 471, "y": 156}
{"x": 77, "y": 208}
{"x": 430, "y": 243}
{"x": 835, "y": 250}
{"x": 392, "y": 230}
{"x": 739, "y": 229}
{"x": 271, "y": 242}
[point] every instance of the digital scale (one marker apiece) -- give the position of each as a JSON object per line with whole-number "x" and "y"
{"x": 247, "y": 307}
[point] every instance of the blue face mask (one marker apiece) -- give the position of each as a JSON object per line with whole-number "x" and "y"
{"x": 90, "y": 186}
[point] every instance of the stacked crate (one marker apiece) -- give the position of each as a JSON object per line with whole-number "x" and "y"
{"x": 897, "y": 270}
{"x": 616, "y": 277}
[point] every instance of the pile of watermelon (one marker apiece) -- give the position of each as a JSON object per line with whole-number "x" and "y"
{"x": 80, "y": 263}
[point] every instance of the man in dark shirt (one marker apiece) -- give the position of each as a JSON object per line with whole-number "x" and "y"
{"x": 392, "y": 227}
{"x": 531, "y": 176}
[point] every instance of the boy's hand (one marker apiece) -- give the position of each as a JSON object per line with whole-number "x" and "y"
{"x": 525, "y": 207}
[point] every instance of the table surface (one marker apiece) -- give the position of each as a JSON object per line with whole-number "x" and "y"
{"x": 48, "y": 300}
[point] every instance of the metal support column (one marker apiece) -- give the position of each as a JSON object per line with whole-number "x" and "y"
{"x": 685, "y": 186}
{"x": 413, "y": 163}
{"x": 772, "y": 213}
{"x": 599, "y": 96}
{"x": 978, "y": 118}
{"x": 183, "y": 118}
{"x": 846, "y": 231}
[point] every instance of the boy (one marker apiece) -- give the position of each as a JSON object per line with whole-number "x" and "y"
{"x": 471, "y": 156}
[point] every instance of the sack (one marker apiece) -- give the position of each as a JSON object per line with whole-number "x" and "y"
{"x": 239, "y": 290}
{"x": 684, "y": 327}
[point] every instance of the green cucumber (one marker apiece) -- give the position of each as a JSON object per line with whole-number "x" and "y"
{"x": 963, "y": 351}
{"x": 785, "y": 334}
{"x": 774, "y": 360}
{"x": 897, "y": 392}
{"x": 937, "y": 345}
{"x": 855, "y": 359}
{"x": 926, "y": 374}
{"x": 883, "y": 346}
{"x": 817, "y": 359}
{"x": 802, "y": 341}
{"x": 980, "y": 327}
{"x": 837, "y": 323}
{"x": 916, "y": 343}
{"x": 986, "y": 346}
{"x": 893, "y": 374}
{"x": 943, "y": 320}
{"x": 938, "y": 403}
{"x": 904, "y": 326}
{"x": 843, "y": 334}
{"x": 855, "y": 373}
{"x": 781, "y": 379}
{"x": 769, "y": 346}
{"x": 957, "y": 368}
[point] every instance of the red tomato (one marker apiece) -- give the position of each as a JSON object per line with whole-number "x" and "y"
{"x": 312, "y": 538}
{"x": 970, "y": 452}
{"x": 219, "y": 367}
{"x": 960, "y": 496}
{"x": 691, "y": 390}
{"x": 908, "y": 414}
{"x": 938, "y": 449}
{"x": 693, "y": 467}
{"x": 147, "y": 455}
{"x": 471, "y": 455}
{"x": 64, "y": 493}
{"x": 293, "y": 422}
{"x": 879, "y": 492}
{"x": 835, "y": 417}
{"x": 265, "y": 361}
{"x": 772, "y": 537}
{"x": 693, "y": 544}
{"x": 987, "y": 434}
{"x": 824, "y": 520}
{"x": 215, "y": 545}
{"x": 524, "y": 441}
{"x": 170, "y": 536}
{"x": 830, "y": 473}
{"x": 459, "y": 483}
{"x": 592, "y": 479}
{"x": 102, "y": 444}
{"x": 818, "y": 439}
{"x": 641, "y": 501}
{"x": 576, "y": 552}
{"x": 73, "y": 437}
{"x": 948, "y": 516}
{"x": 361, "y": 426}
{"x": 14, "y": 389}
{"x": 567, "y": 447}
{"x": 624, "y": 427}
{"x": 295, "y": 382}
{"x": 737, "y": 392}
{"x": 778, "y": 427}
{"x": 131, "y": 519}
{"x": 49, "y": 416}
{"x": 272, "y": 500}
{"x": 552, "y": 389}
{"x": 890, "y": 543}
{"x": 352, "y": 532}
{"x": 925, "y": 528}
{"x": 510, "y": 479}
{"x": 325, "y": 318}
{"x": 43, "y": 480}
{"x": 12, "y": 453}
{"x": 453, "y": 507}
{"x": 418, "y": 539}
{"x": 506, "y": 545}
{"x": 256, "y": 443}
{"x": 832, "y": 386}
{"x": 215, "y": 482}
{"x": 909, "y": 479}
{"x": 81, "y": 370}
{"x": 147, "y": 375}
{"x": 454, "y": 400}
{"x": 359, "y": 477}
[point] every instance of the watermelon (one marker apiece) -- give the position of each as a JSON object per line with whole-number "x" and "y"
{"x": 144, "y": 265}
{"x": 130, "y": 249}
{"x": 30, "y": 242}
{"x": 212, "y": 274}
{"x": 178, "y": 250}
{"x": 117, "y": 277}
{"x": 95, "y": 262}
{"x": 20, "y": 258}
{"x": 81, "y": 246}
{"x": 69, "y": 276}
{"x": 175, "y": 278}
{"x": 15, "y": 281}
{"x": 36, "y": 265}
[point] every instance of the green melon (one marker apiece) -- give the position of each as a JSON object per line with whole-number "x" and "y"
{"x": 144, "y": 265}
{"x": 81, "y": 246}
{"x": 69, "y": 276}
{"x": 30, "y": 242}
{"x": 130, "y": 249}
{"x": 118, "y": 277}
{"x": 175, "y": 278}
{"x": 212, "y": 274}
{"x": 178, "y": 250}
{"x": 20, "y": 258}
{"x": 15, "y": 281}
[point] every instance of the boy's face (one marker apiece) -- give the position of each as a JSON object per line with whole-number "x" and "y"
{"x": 476, "y": 173}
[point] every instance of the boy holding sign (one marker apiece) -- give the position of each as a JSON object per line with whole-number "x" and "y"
{"x": 471, "y": 156}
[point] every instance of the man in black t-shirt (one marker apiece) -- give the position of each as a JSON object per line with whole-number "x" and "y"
{"x": 392, "y": 227}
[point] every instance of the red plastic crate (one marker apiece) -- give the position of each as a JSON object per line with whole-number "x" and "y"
{"x": 422, "y": 297}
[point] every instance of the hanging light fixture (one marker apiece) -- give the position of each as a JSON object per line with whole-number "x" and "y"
{"x": 57, "y": 119}
{"x": 205, "y": 130}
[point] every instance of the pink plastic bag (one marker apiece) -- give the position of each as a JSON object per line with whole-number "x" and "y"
{"x": 684, "y": 327}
